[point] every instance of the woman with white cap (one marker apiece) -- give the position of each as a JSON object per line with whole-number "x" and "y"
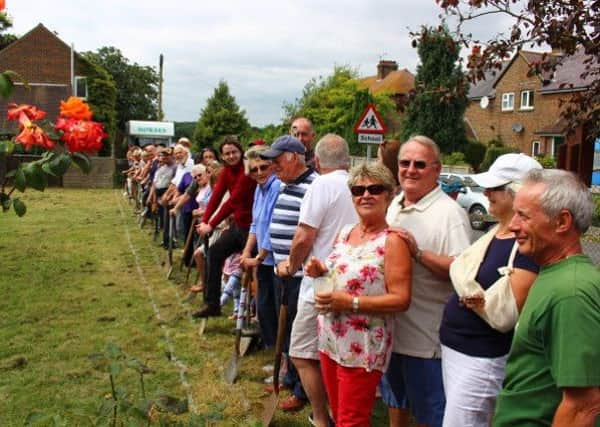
{"x": 491, "y": 281}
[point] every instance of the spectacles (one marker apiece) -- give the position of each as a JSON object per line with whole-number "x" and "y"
{"x": 373, "y": 189}
{"x": 261, "y": 168}
{"x": 418, "y": 164}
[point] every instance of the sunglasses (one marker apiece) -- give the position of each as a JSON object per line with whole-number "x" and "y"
{"x": 373, "y": 189}
{"x": 261, "y": 168}
{"x": 418, "y": 164}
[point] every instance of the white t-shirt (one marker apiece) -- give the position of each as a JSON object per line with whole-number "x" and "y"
{"x": 180, "y": 171}
{"x": 440, "y": 225}
{"x": 327, "y": 206}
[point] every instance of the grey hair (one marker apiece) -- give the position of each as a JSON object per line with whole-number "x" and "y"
{"x": 253, "y": 153}
{"x": 424, "y": 141}
{"x": 374, "y": 171}
{"x": 564, "y": 190}
{"x": 198, "y": 169}
{"x": 333, "y": 152}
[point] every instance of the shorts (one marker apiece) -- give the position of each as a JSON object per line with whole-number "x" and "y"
{"x": 304, "y": 341}
{"x": 415, "y": 383}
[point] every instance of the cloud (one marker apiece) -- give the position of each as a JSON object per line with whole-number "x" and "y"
{"x": 266, "y": 50}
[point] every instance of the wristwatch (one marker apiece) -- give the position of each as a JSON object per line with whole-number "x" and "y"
{"x": 355, "y": 304}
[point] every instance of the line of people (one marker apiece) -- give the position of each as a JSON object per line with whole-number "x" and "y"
{"x": 387, "y": 293}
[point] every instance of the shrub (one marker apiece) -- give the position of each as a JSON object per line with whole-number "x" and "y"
{"x": 474, "y": 154}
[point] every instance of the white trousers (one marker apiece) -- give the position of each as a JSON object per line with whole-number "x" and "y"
{"x": 471, "y": 385}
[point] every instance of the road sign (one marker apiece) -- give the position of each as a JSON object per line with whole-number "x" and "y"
{"x": 368, "y": 138}
{"x": 370, "y": 122}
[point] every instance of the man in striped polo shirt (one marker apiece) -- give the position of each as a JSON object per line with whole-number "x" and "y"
{"x": 287, "y": 153}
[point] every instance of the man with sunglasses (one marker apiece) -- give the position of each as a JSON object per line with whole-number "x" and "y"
{"x": 436, "y": 229}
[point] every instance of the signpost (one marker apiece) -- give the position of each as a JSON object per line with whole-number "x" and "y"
{"x": 370, "y": 128}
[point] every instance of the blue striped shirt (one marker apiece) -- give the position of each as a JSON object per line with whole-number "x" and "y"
{"x": 286, "y": 213}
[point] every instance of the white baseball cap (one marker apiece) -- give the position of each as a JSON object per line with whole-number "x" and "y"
{"x": 507, "y": 168}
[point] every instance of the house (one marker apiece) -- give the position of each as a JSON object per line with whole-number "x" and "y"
{"x": 397, "y": 83}
{"x": 51, "y": 69}
{"x": 525, "y": 111}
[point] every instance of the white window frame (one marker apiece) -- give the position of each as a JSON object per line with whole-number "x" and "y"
{"x": 527, "y": 100}
{"x": 535, "y": 152}
{"x": 77, "y": 79}
{"x": 508, "y": 101}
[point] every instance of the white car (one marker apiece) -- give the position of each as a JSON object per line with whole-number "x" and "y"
{"x": 472, "y": 199}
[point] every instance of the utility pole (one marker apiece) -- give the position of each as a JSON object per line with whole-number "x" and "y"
{"x": 160, "y": 115}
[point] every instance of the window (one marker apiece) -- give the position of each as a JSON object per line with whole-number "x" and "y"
{"x": 81, "y": 87}
{"x": 527, "y": 100}
{"x": 535, "y": 148}
{"x": 508, "y": 101}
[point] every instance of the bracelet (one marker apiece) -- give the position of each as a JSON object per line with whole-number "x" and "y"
{"x": 355, "y": 304}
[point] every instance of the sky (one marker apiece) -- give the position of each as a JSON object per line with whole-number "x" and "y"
{"x": 266, "y": 50}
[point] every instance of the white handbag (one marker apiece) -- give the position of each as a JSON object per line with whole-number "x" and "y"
{"x": 500, "y": 309}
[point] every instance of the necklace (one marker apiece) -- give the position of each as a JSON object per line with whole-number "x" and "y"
{"x": 364, "y": 231}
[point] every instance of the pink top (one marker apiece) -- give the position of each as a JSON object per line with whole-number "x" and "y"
{"x": 232, "y": 264}
{"x": 357, "y": 340}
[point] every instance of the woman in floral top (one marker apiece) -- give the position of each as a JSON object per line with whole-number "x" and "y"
{"x": 370, "y": 270}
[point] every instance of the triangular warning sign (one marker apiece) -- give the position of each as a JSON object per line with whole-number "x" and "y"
{"x": 370, "y": 122}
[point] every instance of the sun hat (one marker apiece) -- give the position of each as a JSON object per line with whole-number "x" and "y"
{"x": 511, "y": 167}
{"x": 283, "y": 144}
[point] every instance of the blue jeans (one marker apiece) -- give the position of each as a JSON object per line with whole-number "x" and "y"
{"x": 415, "y": 383}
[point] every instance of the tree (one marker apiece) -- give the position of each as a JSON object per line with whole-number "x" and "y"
{"x": 221, "y": 116}
{"x": 335, "y": 103}
{"x": 437, "y": 107}
{"x": 563, "y": 25}
{"x": 137, "y": 86}
{"x": 184, "y": 129}
{"x": 102, "y": 97}
{"x": 5, "y": 38}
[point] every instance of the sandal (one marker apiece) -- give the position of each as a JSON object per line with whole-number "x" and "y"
{"x": 197, "y": 288}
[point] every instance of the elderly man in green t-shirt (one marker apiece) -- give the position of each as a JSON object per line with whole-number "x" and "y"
{"x": 553, "y": 370}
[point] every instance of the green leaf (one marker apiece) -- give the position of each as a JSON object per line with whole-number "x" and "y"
{"x": 114, "y": 351}
{"x": 114, "y": 368}
{"x": 60, "y": 164}
{"x": 5, "y": 201}
{"x": 36, "y": 178}
{"x": 7, "y": 147}
{"x": 82, "y": 161}
{"x": 20, "y": 180}
{"x": 19, "y": 207}
{"x": 6, "y": 85}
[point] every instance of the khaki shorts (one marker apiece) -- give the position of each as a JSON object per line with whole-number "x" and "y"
{"x": 304, "y": 340}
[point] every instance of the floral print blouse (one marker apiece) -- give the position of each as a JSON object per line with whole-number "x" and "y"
{"x": 357, "y": 340}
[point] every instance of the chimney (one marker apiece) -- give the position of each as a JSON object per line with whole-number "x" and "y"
{"x": 385, "y": 67}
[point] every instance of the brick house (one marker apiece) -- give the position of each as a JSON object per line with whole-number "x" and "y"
{"x": 524, "y": 111}
{"x": 397, "y": 83}
{"x": 52, "y": 70}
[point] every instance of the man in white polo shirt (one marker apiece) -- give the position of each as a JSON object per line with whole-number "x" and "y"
{"x": 436, "y": 229}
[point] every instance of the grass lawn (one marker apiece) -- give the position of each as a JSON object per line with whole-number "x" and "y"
{"x": 77, "y": 273}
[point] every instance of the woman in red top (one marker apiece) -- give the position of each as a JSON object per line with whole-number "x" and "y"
{"x": 241, "y": 196}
